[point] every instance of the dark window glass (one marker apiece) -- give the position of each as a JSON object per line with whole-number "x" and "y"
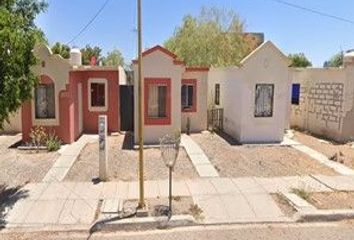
{"x": 295, "y": 94}
{"x": 187, "y": 93}
{"x": 264, "y": 100}
{"x": 217, "y": 94}
{"x": 98, "y": 94}
{"x": 162, "y": 101}
{"x": 45, "y": 101}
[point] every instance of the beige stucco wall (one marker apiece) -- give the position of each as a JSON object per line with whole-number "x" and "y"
{"x": 160, "y": 65}
{"x": 326, "y": 102}
{"x": 14, "y": 125}
{"x": 198, "y": 119}
{"x": 57, "y": 69}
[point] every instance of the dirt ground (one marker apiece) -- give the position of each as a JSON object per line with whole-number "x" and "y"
{"x": 232, "y": 160}
{"x": 326, "y": 147}
{"x": 284, "y": 205}
{"x": 332, "y": 200}
{"x": 123, "y": 163}
{"x": 19, "y": 167}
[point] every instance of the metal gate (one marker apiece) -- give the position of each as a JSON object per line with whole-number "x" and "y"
{"x": 215, "y": 119}
{"x": 126, "y": 107}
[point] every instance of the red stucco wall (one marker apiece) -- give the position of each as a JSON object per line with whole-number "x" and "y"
{"x": 68, "y": 129}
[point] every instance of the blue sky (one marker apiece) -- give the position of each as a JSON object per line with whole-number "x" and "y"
{"x": 292, "y": 30}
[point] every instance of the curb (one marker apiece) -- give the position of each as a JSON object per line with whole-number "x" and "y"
{"x": 325, "y": 215}
{"x": 147, "y": 223}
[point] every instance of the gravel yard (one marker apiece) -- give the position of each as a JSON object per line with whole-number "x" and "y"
{"x": 19, "y": 167}
{"x": 328, "y": 148}
{"x": 257, "y": 160}
{"x": 332, "y": 200}
{"x": 123, "y": 163}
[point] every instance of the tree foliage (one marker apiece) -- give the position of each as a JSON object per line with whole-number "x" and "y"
{"x": 88, "y": 52}
{"x": 61, "y": 49}
{"x": 215, "y": 37}
{"x": 335, "y": 61}
{"x": 18, "y": 36}
{"x": 299, "y": 60}
{"x": 113, "y": 58}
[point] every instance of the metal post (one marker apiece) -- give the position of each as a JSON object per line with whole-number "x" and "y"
{"x": 170, "y": 194}
{"x": 103, "y": 156}
{"x": 141, "y": 112}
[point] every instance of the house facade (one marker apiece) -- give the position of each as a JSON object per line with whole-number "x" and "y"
{"x": 173, "y": 95}
{"x": 255, "y": 97}
{"x": 323, "y": 100}
{"x": 70, "y": 97}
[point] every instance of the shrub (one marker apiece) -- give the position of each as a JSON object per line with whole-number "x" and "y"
{"x": 38, "y": 136}
{"x": 53, "y": 143}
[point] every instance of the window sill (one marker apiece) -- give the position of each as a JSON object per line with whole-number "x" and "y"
{"x": 46, "y": 121}
{"x": 157, "y": 121}
{"x": 98, "y": 109}
{"x": 189, "y": 109}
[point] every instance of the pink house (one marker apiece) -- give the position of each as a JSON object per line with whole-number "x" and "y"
{"x": 70, "y": 97}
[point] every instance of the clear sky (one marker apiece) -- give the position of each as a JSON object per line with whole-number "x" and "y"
{"x": 292, "y": 30}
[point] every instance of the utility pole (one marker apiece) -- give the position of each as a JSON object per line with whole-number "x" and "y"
{"x": 141, "y": 113}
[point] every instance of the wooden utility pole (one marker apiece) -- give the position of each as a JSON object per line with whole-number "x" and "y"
{"x": 141, "y": 113}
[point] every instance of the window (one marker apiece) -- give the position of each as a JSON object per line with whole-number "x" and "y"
{"x": 264, "y": 100}
{"x": 98, "y": 95}
{"x": 157, "y": 101}
{"x": 189, "y": 95}
{"x": 217, "y": 94}
{"x": 45, "y": 101}
{"x": 295, "y": 94}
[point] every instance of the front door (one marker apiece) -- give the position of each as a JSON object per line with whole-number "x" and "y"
{"x": 126, "y": 107}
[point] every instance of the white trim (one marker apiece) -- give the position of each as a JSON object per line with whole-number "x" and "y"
{"x": 46, "y": 121}
{"x": 97, "y": 80}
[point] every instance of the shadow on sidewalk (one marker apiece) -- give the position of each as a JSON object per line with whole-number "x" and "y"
{"x": 8, "y": 198}
{"x": 230, "y": 140}
{"x": 128, "y": 143}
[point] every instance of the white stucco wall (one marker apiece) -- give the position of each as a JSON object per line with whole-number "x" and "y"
{"x": 159, "y": 65}
{"x": 198, "y": 119}
{"x": 230, "y": 80}
{"x": 270, "y": 67}
{"x": 237, "y": 95}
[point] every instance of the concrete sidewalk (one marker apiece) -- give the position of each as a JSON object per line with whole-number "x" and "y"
{"x": 223, "y": 200}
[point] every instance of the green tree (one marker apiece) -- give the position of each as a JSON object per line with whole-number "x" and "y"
{"x": 215, "y": 37}
{"x": 61, "y": 49}
{"x": 113, "y": 58}
{"x": 335, "y": 61}
{"x": 88, "y": 52}
{"x": 18, "y": 36}
{"x": 299, "y": 60}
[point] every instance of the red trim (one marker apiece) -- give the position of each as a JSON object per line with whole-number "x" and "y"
{"x": 197, "y": 69}
{"x": 192, "y": 82}
{"x": 157, "y": 81}
{"x": 165, "y": 51}
{"x": 46, "y": 80}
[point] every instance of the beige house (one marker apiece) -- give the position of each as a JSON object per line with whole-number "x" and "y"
{"x": 255, "y": 97}
{"x": 172, "y": 94}
{"x": 323, "y": 100}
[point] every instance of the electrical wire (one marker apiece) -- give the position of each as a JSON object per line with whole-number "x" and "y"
{"x": 323, "y": 14}
{"x": 89, "y": 22}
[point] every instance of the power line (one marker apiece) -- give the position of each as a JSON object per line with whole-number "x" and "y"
{"x": 89, "y": 22}
{"x": 323, "y": 14}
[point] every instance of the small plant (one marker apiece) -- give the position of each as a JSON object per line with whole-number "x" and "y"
{"x": 53, "y": 143}
{"x": 301, "y": 193}
{"x": 196, "y": 212}
{"x": 38, "y": 136}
